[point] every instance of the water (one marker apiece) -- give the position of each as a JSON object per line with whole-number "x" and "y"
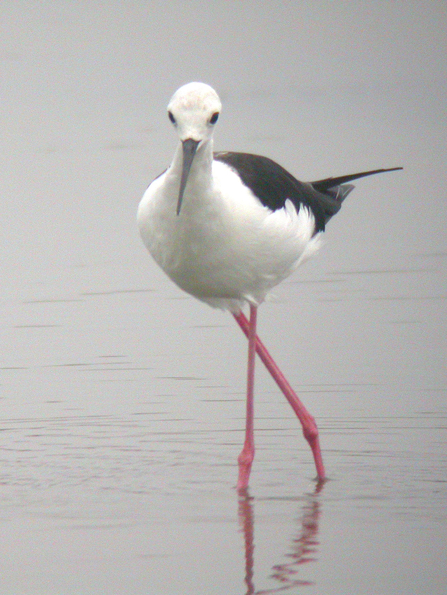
{"x": 122, "y": 399}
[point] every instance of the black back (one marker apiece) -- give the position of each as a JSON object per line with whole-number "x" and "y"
{"x": 273, "y": 185}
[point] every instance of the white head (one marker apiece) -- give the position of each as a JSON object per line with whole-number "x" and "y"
{"x": 193, "y": 109}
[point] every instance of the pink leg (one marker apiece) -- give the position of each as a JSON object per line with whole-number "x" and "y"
{"x": 246, "y": 457}
{"x": 310, "y": 429}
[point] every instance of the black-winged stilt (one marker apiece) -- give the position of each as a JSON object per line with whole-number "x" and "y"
{"x": 227, "y": 227}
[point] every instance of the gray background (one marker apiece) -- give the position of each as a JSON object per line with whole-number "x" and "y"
{"x": 122, "y": 398}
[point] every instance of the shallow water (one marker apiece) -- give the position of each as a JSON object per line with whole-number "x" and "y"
{"x": 122, "y": 399}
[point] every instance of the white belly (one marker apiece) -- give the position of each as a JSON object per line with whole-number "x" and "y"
{"x": 224, "y": 247}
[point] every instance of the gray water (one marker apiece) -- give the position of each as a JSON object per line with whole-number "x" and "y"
{"x": 122, "y": 398}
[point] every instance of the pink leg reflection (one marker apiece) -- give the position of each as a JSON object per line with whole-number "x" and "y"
{"x": 304, "y": 546}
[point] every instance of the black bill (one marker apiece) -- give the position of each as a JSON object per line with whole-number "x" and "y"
{"x": 189, "y": 150}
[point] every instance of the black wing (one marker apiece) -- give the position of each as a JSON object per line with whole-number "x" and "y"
{"x": 273, "y": 185}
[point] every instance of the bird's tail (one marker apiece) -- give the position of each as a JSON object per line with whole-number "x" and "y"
{"x": 331, "y": 183}
{"x": 333, "y": 191}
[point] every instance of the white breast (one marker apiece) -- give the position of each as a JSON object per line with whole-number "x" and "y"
{"x": 225, "y": 247}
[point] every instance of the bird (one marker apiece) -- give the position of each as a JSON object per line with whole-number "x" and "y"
{"x": 227, "y": 227}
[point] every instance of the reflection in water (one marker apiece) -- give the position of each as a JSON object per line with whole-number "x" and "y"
{"x": 246, "y": 518}
{"x": 303, "y": 545}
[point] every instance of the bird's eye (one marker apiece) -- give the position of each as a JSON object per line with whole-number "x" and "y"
{"x": 214, "y": 118}
{"x": 171, "y": 117}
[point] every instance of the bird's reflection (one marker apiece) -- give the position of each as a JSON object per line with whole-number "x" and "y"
{"x": 303, "y": 547}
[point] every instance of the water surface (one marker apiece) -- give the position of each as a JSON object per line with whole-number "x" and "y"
{"x": 122, "y": 399}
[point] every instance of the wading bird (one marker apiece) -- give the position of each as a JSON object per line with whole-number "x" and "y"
{"x": 227, "y": 227}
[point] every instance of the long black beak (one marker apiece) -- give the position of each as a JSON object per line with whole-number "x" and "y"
{"x": 189, "y": 150}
